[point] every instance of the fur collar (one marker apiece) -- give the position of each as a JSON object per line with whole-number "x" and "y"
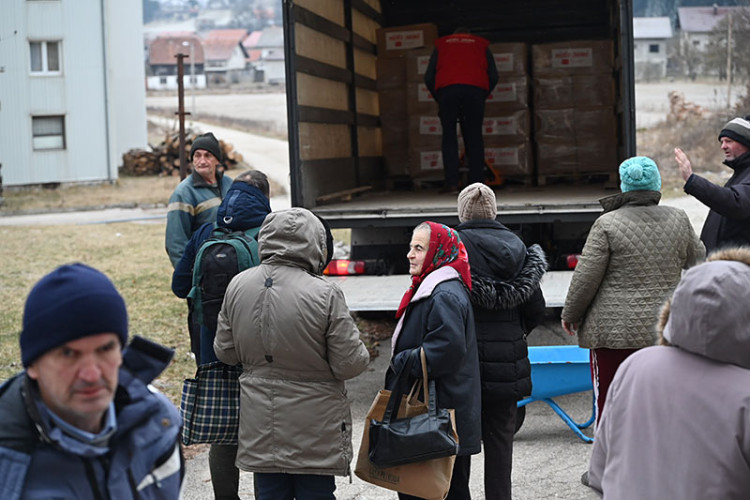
{"x": 496, "y": 295}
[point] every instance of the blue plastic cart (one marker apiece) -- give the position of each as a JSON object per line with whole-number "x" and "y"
{"x": 556, "y": 371}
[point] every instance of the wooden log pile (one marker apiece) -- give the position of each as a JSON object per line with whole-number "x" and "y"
{"x": 164, "y": 158}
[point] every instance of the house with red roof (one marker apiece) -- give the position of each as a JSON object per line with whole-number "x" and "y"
{"x": 162, "y": 61}
{"x": 225, "y": 56}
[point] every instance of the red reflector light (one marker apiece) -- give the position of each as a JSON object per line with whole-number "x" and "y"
{"x": 572, "y": 260}
{"x": 343, "y": 267}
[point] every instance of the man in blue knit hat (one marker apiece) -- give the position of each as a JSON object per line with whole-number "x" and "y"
{"x": 728, "y": 221}
{"x": 80, "y": 421}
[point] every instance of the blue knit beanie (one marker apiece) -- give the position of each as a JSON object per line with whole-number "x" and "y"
{"x": 639, "y": 173}
{"x": 71, "y": 302}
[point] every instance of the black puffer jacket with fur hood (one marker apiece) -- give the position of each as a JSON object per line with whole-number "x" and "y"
{"x": 508, "y": 304}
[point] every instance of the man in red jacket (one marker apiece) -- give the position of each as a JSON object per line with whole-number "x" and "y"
{"x": 460, "y": 76}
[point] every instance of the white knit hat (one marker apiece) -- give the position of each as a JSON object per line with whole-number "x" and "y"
{"x": 476, "y": 201}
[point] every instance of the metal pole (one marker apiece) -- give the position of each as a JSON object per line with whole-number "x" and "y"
{"x": 181, "y": 112}
{"x": 192, "y": 80}
{"x": 729, "y": 61}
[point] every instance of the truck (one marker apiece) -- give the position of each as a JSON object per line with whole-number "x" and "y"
{"x": 342, "y": 96}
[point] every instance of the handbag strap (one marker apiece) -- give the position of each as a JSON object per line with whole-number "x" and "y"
{"x": 428, "y": 388}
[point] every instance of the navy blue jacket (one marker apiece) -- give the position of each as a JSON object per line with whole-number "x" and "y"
{"x": 441, "y": 320}
{"x": 508, "y": 304}
{"x": 144, "y": 459}
{"x": 728, "y": 221}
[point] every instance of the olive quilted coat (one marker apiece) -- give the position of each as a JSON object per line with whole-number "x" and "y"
{"x": 632, "y": 260}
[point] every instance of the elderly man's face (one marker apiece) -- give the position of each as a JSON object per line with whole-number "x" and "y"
{"x": 205, "y": 164}
{"x": 732, "y": 149}
{"x": 77, "y": 380}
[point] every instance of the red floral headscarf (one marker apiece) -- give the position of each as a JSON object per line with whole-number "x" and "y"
{"x": 445, "y": 249}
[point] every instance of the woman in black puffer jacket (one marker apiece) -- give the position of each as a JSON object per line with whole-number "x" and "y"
{"x": 508, "y": 303}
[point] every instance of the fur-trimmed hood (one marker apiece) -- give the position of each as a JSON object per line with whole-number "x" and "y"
{"x": 493, "y": 294}
{"x": 708, "y": 313}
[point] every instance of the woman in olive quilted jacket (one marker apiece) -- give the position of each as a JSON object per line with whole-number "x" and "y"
{"x": 632, "y": 260}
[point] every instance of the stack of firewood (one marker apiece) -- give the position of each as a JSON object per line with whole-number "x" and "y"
{"x": 164, "y": 159}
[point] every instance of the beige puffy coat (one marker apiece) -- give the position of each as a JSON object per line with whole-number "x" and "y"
{"x": 291, "y": 330}
{"x": 632, "y": 260}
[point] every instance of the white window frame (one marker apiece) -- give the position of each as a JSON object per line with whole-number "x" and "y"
{"x": 44, "y": 56}
{"x": 47, "y": 141}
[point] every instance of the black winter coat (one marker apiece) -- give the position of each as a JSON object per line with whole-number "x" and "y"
{"x": 728, "y": 222}
{"x": 508, "y": 304}
{"x": 443, "y": 323}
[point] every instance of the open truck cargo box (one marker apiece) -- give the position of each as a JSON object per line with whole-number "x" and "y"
{"x": 356, "y": 105}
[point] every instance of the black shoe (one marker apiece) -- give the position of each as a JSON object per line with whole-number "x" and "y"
{"x": 585, "y": 478}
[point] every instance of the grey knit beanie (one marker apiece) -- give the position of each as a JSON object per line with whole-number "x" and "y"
{"x": 737, "y": 130}
{"x": 208, "y": 142}
{"x": 476, "y": 201}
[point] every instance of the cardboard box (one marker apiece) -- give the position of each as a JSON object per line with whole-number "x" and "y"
{"x": 392, "y": 104}
{"x": 566, "y": 158}
{"x": 391, "y": 73}
{"x": 395, "y": 41}
{"x": 513, "y": 125}
{"x": 395, "y": 136}
{"x": 416, "y": 64}
{"x": 510, "y": 58}
{"x": 573, "y": 91}
{"x": 419, "y": 101}
{"x": 426, "y": 163}
{"x": 509, "y": 160}
{"x": 425, "y": 131}
{"x": 574, "y": 125}
{"x": 511, "y": 92}
{"x": 576, "y": 57}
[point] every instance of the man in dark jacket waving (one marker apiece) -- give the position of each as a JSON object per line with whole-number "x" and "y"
{"x": 728, "y": 221}
{"x": 508, "y": 304}
{"x": 460, "y": 76}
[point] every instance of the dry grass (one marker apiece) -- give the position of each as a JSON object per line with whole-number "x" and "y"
{"x": 126, "y": 191}
{"x": 131, "y": 254}
{"x": 697, "y": 138}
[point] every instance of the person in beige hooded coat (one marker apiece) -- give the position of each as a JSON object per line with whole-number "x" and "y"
{"x": 297, "y": 342}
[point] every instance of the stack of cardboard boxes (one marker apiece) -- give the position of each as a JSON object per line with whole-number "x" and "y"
{"x": 507, "y": 122}
{"x": 399, "y": 95}
{"x": 574, "y": 96}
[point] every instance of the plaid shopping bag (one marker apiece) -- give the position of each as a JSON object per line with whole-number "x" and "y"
{"x": 210, "y": 405}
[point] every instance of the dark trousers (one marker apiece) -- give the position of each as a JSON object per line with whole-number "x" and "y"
{"x": 604, "y": 364}
{"x": 498, "y": 427}
{"x": 459, "y": 489}
{"x": 294, "y": 486}
{"x": 225, "y": 476}
{"x": 465, "y": 102}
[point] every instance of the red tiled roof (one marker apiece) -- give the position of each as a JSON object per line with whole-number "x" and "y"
{"x": 164, "y": 49}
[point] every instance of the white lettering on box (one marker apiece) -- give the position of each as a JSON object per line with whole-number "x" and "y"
{"x": 573, "y": 58}
{"x": 398, "y": 40}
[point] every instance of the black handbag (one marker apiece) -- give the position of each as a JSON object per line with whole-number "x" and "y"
{"x": 407, "y": 440}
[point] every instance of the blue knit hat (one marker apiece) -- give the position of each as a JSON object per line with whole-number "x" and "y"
{"x": 639, "y": 173}
{"x": 71, "y": 302}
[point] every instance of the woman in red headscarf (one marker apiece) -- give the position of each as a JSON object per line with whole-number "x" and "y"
{"x": 436, "y": 314}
